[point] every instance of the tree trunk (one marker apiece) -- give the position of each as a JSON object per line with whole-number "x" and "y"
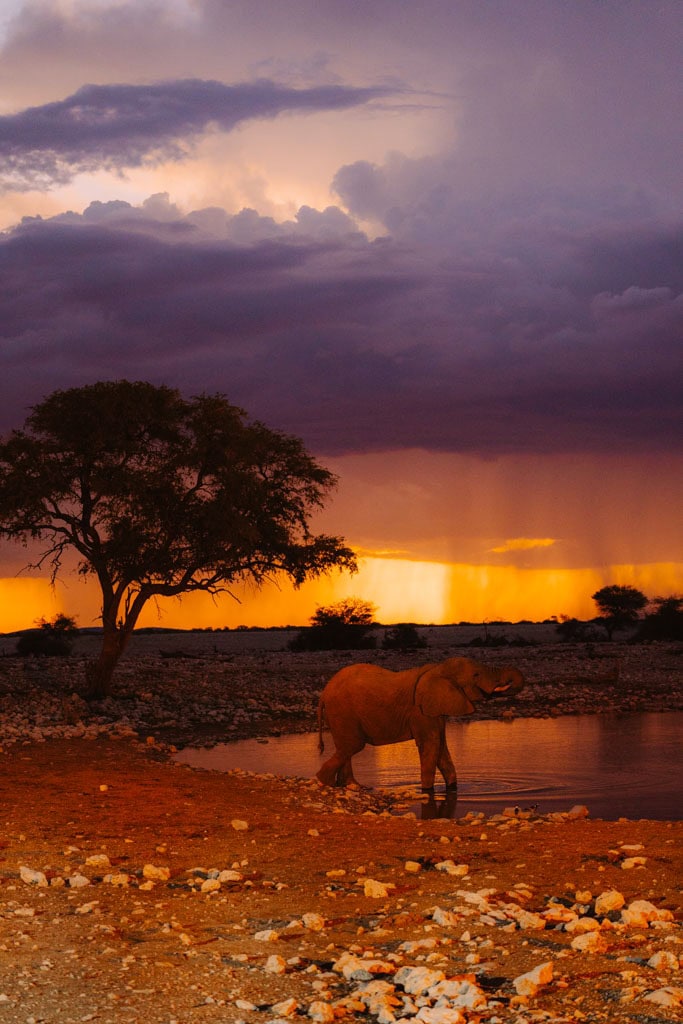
{"x": 98, "y": 673}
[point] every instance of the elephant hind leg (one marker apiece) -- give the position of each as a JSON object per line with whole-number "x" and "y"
{"x": 336, "y": 771}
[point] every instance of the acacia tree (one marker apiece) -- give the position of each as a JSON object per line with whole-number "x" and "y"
{"x": 160, "y": 496}
{"x": 619, "y": 606}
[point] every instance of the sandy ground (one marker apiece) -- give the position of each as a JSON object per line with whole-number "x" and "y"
{"x": 136, "y": 889}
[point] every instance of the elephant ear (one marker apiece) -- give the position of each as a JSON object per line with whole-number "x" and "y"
{"x": 438, "y": 694}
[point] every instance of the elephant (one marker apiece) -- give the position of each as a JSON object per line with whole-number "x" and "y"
{"x": 368, "y": 704}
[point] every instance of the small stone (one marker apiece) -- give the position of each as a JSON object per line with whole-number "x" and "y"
{"x": 229, "y": 875}
{"x": 664, "y": 961}
{"x": 98, "y": 860}
{"x": 267, "y": 935}
{"x": 244, "y": 1004}
{"x": 321, "y": 1012}
{"x": 578, "y": 811}
{"x": 239, "y": 826}
{"x": 275, "y": 965}
{"x": 156, "y": 874}
{"x": 377, "y": 890}
{"x": 412, "y": 867}
{"x": 450, "y": 868}
{"x": 666, "y": 996}
{"x": 612, "y": 899}
{"x": 528, "y": 984}
{"x": 287, "y": 1008}
{"x": 78, "y": 881}
{"x": 589, "y": 942}
{"x": 314, "y": 922}
{"x": 210, "y": 885}
{"x": 87, "y": 908}
{"x": 633, "y": 862}
{"x": 32, "y": 877}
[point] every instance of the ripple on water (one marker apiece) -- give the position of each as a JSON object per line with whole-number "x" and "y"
{"x": 618, "y": 765}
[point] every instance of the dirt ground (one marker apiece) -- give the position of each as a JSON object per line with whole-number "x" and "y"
{"x": 135, "y": 889}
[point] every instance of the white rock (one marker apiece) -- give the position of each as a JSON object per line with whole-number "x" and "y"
{"x": 313, "y": 922}
{"x": 528, "y": 984}
{"x": 275, "y": 965}
{"x": 210, "y": 885}
{"x": 639, "y": 914}
{"x": 664, "y": 961}
{"x": 156, "y": 874}
{"x": 267, "y": 935}
{"x": 459, "y": 992}
{"x": 446, "y": 918}
{"x": 98, "y": 860}
{"x": 633, "y": 862}
{"x": 32, "y": 877}
{"x": 87, "y": 908}
{"x": 417, "y": 980}
{"x": 440, "y": 1015}
{"x": 581, "y": 925}
{"x": 244, "y": 1004}
{"x": 287, "y": 1008}
{"x": 230, "y": 876}
{"x": 609, "y": 900}
{"x": 667, "y": 996}
{"x": 78, "y": 881}
{"x": 356, "y": 968}
{"x": 589, "y": 942}
{"x": 322, "y": 1012}
{"x": 451, "y": 868}
{"x": 377, "y": 890}
{"x": 578, "y": 811}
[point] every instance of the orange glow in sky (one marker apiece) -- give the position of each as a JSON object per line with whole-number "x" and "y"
{"x": 401, "y": 590}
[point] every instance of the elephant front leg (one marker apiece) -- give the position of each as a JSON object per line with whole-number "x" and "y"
{"x": 445, "y": 764}
{"x": 428, "y": 747}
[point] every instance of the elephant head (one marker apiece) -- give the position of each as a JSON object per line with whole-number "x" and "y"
{"x": 456, "y": 685}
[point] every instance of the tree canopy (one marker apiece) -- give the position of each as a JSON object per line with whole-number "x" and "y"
{"x": 160, "y": 496}
{"x": 619, "y": 606}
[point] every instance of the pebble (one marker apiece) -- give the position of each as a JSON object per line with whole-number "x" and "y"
{"x": 528, "y": 984}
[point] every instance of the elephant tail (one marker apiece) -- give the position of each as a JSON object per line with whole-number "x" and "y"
{"x": 321, "y": 724}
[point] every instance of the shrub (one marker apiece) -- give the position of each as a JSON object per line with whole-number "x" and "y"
{"x": 51, "y": 640}
{"x": 339, "y": 627}
{"x": 403, "y": 637}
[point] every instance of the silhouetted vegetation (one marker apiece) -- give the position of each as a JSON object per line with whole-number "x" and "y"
{"x": 51, "y": 640}
{"x": 575, "y": 631}
{"x": 619, "y": 607}
{"x": 161, "y": 496}
{"x": 665, "y": 622}
{"x": 338, "y": 627}
{"x": 403, "y": 637}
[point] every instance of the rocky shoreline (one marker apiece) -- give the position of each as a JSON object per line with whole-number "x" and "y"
{"x": 135, "y": 889}
{"x": 189, "y": 691}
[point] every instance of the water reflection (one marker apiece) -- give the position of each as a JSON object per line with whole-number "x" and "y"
{"x": 618, "y": 765}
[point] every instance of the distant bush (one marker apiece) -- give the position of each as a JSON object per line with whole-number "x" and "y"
{"x": 575, "y": 631}
{"x": 403, "y": 637}
{"x": 665, "y": 622}
{"x": 51, "y": 640}
{"x": 339, "y": 627}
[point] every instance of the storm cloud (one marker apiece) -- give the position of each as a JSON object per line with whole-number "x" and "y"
{"x": 119, "y": 126}
{"x": 354, "y": 343}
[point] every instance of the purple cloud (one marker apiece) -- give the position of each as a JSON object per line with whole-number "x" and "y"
{"x": 119, "y": 126}
{"x": 528, "y": 341}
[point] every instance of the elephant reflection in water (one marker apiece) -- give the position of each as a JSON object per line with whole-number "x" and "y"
{"x": 368, "y": 704}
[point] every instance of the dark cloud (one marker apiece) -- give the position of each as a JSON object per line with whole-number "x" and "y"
{"x": 118, "y": 126}
{"x": 518, "y": 340}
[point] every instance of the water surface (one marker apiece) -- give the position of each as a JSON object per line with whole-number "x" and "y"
{"x": 618, "y": 765}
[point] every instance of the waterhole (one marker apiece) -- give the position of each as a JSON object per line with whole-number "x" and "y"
{"x": 617, "y": 765}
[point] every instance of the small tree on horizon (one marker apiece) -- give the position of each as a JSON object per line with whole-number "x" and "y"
{"x": 338, "y": 627}
{"x": 619, "y": 606}
{"x": 161, "y": 496}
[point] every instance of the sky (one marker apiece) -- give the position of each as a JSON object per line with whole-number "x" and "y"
{"x": 440, "y": 242}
